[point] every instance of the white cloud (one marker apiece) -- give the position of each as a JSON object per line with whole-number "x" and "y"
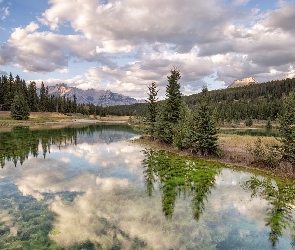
{"x": 64, "y": 71}
{"x": 143, "y": 21}
{"x": 75, "y": 81}
{"x": 136, "y": 42}
{"x": 4, "y": 12}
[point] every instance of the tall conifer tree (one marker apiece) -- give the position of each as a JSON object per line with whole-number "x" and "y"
{"x": 43, "y": 98}
{"x": 151, "y": 109}
{"x": 33, "y": 97}
{"x": 204, "y": 131}
{"x": 169, "y": 114}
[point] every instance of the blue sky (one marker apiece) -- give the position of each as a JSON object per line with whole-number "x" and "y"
{"x": 125, "y": 45}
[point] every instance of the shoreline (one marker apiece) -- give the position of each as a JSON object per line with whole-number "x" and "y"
{"x": 57, "y": 124}
{"x": 235, "y": 158}
{"x": 234, "y": 147}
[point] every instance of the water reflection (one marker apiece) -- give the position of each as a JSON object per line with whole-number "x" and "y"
{"x": 281, "y": 199}
{"x": 21, "y": 142}
{"x": 98, "y": 191}
{"x": 178, "y": 176}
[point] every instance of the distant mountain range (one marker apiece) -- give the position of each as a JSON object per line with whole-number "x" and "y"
{"x": 97, "y": 97}
{"x": 243, "y": 82}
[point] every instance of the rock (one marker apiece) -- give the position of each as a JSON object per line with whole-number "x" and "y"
{"x": 244, "y": 82}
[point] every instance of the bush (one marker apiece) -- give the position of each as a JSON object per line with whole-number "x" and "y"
{"x": 267, "y": 155}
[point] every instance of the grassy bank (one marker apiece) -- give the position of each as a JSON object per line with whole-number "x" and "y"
{"x": 54, "y": 117}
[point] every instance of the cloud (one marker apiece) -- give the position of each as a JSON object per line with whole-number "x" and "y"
{"x": 63, "y": 71}
{"x": 3, "y": 72}
{"x": 45, "y": 51}
{"x": 142, "y": 21}
{"x": 282, "y": 18}
{"x": 136, "y": 42}
{"x": 4, "y": 12}
{"x": 133, "y": 78}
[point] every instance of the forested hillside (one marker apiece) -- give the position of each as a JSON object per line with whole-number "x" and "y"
{"x": 259, "y": 101}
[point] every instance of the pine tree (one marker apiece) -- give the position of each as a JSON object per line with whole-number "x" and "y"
{"x": 151, "y": 109}
{"x": 9, "y": 92}
{"x": 181, "y": 131}
{"x": 74, "y": 106}
{"x": 173, "y": 104}
{"x": 3, "y": 81}
{"x": 19, "y": 108}
{"x": 169, "y": 114}
{"x": 43, "y": 98}
{"x": 204, "y": 131}
{"x": 33, "y": 97}
{"x": 287, "y": 129}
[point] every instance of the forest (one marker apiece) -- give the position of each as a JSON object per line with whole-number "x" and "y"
{"x": 17, "y": 95}
{"x": 259, "y": 101}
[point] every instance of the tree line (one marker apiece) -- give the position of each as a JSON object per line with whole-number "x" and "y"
{"x": 258, "y": 101}
{"x": 21, "y": 98}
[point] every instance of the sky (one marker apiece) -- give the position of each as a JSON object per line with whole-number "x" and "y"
{"x": 124, "y": 45}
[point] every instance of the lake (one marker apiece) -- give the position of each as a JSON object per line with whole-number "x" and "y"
{"x": 92, "y": 187}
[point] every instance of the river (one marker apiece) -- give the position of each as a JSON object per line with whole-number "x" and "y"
{"x": 92, "y": 187}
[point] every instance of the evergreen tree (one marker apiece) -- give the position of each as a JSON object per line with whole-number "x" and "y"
{"x": 19, "y": 108}
{"x": 151, "y": 109}
{"x": 287, "y": 129}
{"x": 204, "y": 132}
{"x": 3, "y": 81}
{"x": 43, "y": 98}
{"x": 9, "y": 92}
{"x": 168, "y": 116}
{"x": 181, "y": 131}
{"x": 173, "y": 104}
{"x": 74, "y": 106}
{"x": 33, "y": 97}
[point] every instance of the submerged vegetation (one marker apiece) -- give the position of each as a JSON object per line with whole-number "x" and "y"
{"x": 179, "y": 176}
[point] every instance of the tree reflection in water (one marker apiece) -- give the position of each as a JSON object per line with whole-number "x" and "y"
{"x": 281, "y": 199}
{"x": 20, "y": 142}
{"x": 178, "y": 176}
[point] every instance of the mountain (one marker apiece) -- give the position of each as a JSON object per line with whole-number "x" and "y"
{"x": 97, "y": 97}
{"x": 243, "y": 82}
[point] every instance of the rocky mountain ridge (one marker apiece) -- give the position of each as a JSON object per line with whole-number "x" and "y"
{"x": 243, "y": 82}
{"x": 97, "y": 97}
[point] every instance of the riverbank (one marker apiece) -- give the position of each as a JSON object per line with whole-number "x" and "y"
{"x": 235, "y": 153}
{"x": 234, "y": 147}
{"x": 54, "y": 118}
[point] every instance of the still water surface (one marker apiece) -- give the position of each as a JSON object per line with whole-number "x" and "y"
{"x": 90, "y": 188}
